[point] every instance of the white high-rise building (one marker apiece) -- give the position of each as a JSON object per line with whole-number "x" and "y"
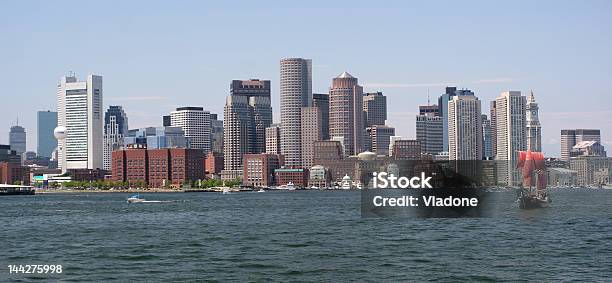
{"x": 295, "y": 93}
{"x": 195, "y": 122}
{"x": 464, "y": 128}
{"x": 79, "y": 107}
{"x": 534, "y": 129}
{"x": 511, "y": 134}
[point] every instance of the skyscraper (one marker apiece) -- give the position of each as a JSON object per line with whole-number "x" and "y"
{"x": 487, "y": 145}
{"x": 17, "y": 139}
{"x": 534, "y": 130}
{"x": 79, "y": 110}
{"x": 247, "y": 114}
{"x": 115, "y": 128}
{"x": 569, "y": 138}
{"x": 493, "y": 117}
{"x": 346, "y": 112}
{"x": 321, "y": 100}
{"x": 380, "y": 137}
{"x": 273, "y": 139}
{"x": 295, "y": 93}
{"x": 443, "y": 110}
{"x": 312, "y": 131}
{"x": 216, "y": 134}
{"x": 375, "y": 108}
{"x": 511, "y": 135}
{"x": 429, "y": 129}
{"x": 464, "y": 128}
{"x": 195, "y": 122}
{"x": 46, "y": 143}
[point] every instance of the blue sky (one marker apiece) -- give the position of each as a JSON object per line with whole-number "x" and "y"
{"x": 156, "y": 55}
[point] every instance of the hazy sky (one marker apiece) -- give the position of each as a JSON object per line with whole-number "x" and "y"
{"x": 157, "y": 55}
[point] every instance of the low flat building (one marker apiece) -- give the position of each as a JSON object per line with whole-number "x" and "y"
{"x": 559, "y": 177}
{"x": 297, "y": 176}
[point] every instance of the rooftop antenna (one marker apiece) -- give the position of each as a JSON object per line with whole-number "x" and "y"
{"x": 17, "y": 120}
{"x": 428, "y": 103}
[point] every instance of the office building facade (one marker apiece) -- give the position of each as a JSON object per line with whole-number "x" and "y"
{"x": 46, "y": 122}
{"x": 295, "y": 93}
{"x": 346, "y": 113}
{"x": 79, "y": 111}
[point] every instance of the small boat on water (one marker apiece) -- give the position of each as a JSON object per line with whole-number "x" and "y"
{"x": 261, "y": 190}
{"x": 289, "y": 187}
{"x": 135, "y": 199}
{"x": 534, "y": 173}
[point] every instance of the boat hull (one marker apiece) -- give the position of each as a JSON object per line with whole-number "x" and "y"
{"x": 531, "y": 202}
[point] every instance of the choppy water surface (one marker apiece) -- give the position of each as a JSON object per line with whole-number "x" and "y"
{"x": 299, "y": 236}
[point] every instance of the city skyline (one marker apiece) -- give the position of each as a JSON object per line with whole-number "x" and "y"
{"x": 553, "y": 57}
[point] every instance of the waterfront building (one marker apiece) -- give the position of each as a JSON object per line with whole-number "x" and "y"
{"x": 157, "y": 167}
{"x": 319, "y": 177}
{"x": 247, "y": 114}
{"x": 430, "y": 130}
{"x": 297, "y": 176}
{"x": 487, "y": 142}
{"x": 12, "y": 173}
{"x": 346, "y": 113}
{"x": 213, "y": 164}
{"x": 80, "y": 115}
{"x": 17, "y": 139}
{"x": 379, "y": 137}
{"x": 258, "y": 169}
{"x": 464, "y": 128}
{"x": 46, "y": 122}
{"x": 374, "y": 108}
{"x": 569, "y": 138}
{"x": 115, "y": 128}
{"x": 534, "y": 129}
{"x": 558, "y": 177}
{"x": 592, "y": 170}
{"x": 195, "y": 123}
{"x": 511, "y": 135}
{"x": 295, "y": 93}
{"x": 321, "y": 100}
{"x": 273, "y": 139}
{"x": 156, "y": 137}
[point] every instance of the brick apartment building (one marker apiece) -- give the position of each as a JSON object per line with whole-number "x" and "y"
{"x": 258, "y": 169}
{"x": 214, "y": 163}
{"x": 157, "y": 167}
{"x": 297, "y": 176}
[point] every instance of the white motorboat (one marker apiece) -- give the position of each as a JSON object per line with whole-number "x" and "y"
{"x": 289, "y": 187}
{"x": 135, "y": 199}
{"x": 261, "y": 190}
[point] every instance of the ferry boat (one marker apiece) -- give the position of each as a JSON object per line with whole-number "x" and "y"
{"x": 6, "y": 190}
{"x": 534, "y": 172}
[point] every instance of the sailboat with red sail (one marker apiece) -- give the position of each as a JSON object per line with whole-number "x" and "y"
{"x": 533, "y": 193}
